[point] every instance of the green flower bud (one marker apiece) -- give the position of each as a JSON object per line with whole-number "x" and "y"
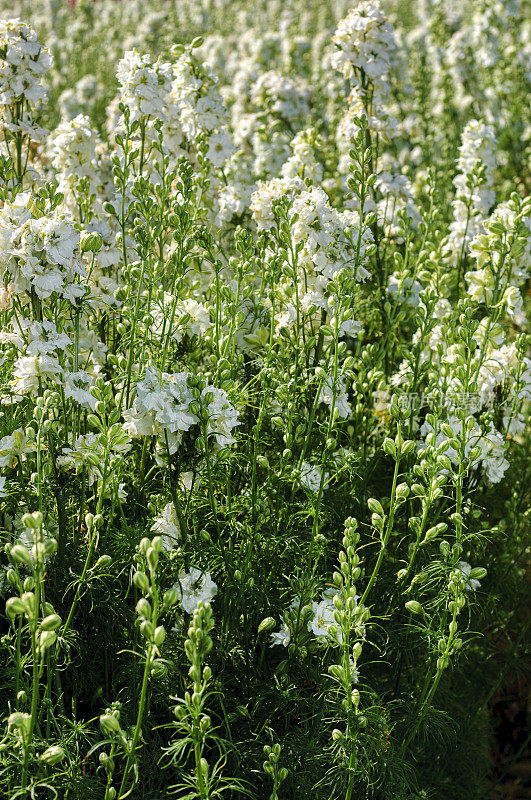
{"x": 141, "y": 581}
{"x": 15, "y": 606}
{"x": 414, "y": 607}
{"x": 90, "y": 242}
{"x": 109, "y": 723}
{"x": 143, "y": 608}
{"x": 53, "y": 755}
{"x": 171, "y": 597}
{"x": 46, "y": 640}
{"x": 19, "y": 721}
{"x": 267, "y": 625}
{"x": 21, "y": 554}
{"x": 375, "y": 506}
{"x": 51, "y": 622}
{"x": 159, "y": 635}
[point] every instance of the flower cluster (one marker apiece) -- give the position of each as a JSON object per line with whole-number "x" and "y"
{"x": 39, "y": 252}
{"x": 166, "y": 406}
{"x": 474, "y": 185}
{"x": 23, "y": 63}
{"x": 364, "y": 41}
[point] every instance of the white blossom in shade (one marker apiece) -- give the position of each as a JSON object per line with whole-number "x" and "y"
{"x": 161, "y": 404}
{"x": 303, "y": 163}
{"x": 3, "y": 491}
{"x": 283, "y": 636}
{"x": 144, "y": 86}
{"x": 23, "y": 63}
{"x": 465, "y": 569}
{"x": 14, "y": 447}
{"x": 162, "y": 407}
{"x": 310, "y": 477}
{"x": 167, "y": 527}
{"x": 472, "y": 438}
{"x": 494, "y": 463}
{"x": 491, "y": 458}
{"x": 88, "y": 446}
{"x": 73, "y": 150}
{"x": 284, "y": 97}
{"x": 472, "y": 203}
{"x": 195, "y": 586}
{"x": 405, "y": 289}
{"x": 323, "y": 618}
{"x": 340, "y": 401}
{"x": 222, "y": 417}
{"x": 364, "y": 40}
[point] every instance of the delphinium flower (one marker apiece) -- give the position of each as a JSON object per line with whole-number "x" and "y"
{"x": 81, "y": 99}
{"x": 317, "y": 226}
{"x": 166, "y": 525}
{"x": 505, "y": 266}
{"x": 14, "y": 447}
{"x": 473, "y": 184}
{"x": 178, "y": 318}
{"x": 310, "y": 477}
{"x": 164, "y": 406}
{"x": 364, "y": 40}
{"x": 23, "y": 64}
{"x": 470, "y": 583}
{"x": 196, "y": 108}
{"x": 303, "y": 163}
{"x": 73, "y": 150}
{"x": 40, "y": 252}
{"x": 195, "y": 586}
{"x": 336, "y": 395}
{"x": 143, "y": 86}
{"x": 284, "y": 97}
{"x": 484, "y": 450}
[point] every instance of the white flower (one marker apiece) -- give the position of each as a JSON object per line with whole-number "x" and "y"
{"x": 310, "y": 477}
{"x": 77, "y": 387}
{"x": 323, "y": 618}
{"x": 364, "y": 41}
{"x": 24, "y": 64}
{"x": 14, "y": 447}
{"x": 167, "y": 526}
{"x": 195, "y": 586}
{"x": 340, "y": 401}
{"x": 144, "y": 86}
{"x": 465, "y": 569}
{"x": 283, "y": 636}
{"x": 31, "y": 372}
{"x": 40, "y": 251}
{"x": 472, "y": 204}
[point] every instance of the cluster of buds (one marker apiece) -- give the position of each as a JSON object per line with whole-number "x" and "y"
{"x": 114, "y": 733}
{"x": 349, "y": 617}
{"x": 270, "y": 767}
{"x": 27, "y": 603}
{"x": 191, "y": 721}
{"x": 148, "y": 606}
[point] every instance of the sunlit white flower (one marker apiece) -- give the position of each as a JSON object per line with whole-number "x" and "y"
{"x": 195, "y": 586}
